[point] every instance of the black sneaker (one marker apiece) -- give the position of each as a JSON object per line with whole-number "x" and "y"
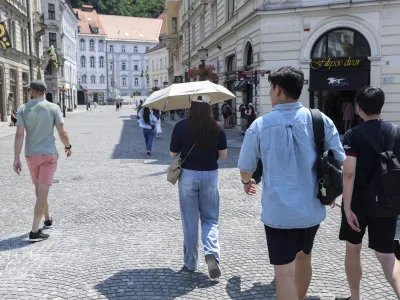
{"x": 38, "y": 236}
{"x": 48, "y": 223}
{"x": 213, "y": 267}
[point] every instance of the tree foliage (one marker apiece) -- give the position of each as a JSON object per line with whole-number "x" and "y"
{"x": 134, "y": 8}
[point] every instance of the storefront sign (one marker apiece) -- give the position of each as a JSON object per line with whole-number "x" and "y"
{"x": 339, "y": 63}
{"x": 351, "y": 80}
{"x": 388, "y": 79}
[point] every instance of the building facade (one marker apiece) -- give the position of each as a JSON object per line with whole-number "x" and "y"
{"x": 328, "y": 41}
{"x": 91, "y": 58}
{"x": 158, "y": 61}
{"x": 61, "y": 33}
{"x": 127, "y": 47}
{"x": 21, "y": 24}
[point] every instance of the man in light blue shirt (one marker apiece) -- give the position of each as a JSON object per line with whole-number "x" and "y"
{"x": 291, "y": 210}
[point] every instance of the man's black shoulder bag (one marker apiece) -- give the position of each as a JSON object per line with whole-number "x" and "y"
{"x": 383, "y": 192}
{"x": 329, "y": 171}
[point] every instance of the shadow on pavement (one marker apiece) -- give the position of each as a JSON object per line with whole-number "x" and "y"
{"x": 234, "y": 290}
{"x": 15, "y": 243}
{"x": 158, "y": 283}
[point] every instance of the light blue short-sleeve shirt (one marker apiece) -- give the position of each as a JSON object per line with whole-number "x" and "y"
{"x": 284, "y": 141}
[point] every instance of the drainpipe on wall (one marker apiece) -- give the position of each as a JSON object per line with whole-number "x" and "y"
{"x": 28, "y": 7}
{"x": 107, "y": 69}
{"x": 189, "y": 52}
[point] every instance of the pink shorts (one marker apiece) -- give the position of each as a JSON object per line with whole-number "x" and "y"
{"x": 42, "y": 168}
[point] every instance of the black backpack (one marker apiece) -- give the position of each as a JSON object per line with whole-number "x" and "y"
{"x": 329, "y": 171}
{"x": 383, "y": 192}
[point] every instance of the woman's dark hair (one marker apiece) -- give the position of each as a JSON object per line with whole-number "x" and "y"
{"x": 203, "y": 127}
{"x": 146, "y": 115}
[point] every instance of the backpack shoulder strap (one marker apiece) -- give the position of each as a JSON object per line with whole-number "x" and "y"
{"x": 373, "y": 144}
{"x": 392, "y": 138}
{"x": 319, "y": 129}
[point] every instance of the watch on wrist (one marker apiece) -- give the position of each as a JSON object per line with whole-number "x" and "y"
{"x": 70, "y": 146}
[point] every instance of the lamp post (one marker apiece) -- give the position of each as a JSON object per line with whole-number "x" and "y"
{"x": 203, "y": 53}
{"x": 63, "y": 100}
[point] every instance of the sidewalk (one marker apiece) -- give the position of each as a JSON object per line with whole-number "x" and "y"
{"x": 234, "y": 139}
{"x": 6, "y": 130}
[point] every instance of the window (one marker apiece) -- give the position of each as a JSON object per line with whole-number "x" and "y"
{"x": 13, "y": 87}
{"x": 53, "y": 39}
{"x": 152, "y": 65}
{"x": 23, "y": 41}
{"x": 111, "y": 65}
{"x": 231, "y": 8}
{"x": 341, "y": 43}
{"x": 231, "y": 64}
{"x": 92, "y": 62}
{"x": 101, "y": 46}
{"x": 165, "y": 62}
{"x": 135, "y": 65}
{"x": 161, "y": 63}
{"x": 174, "y": 25}
{"x": 83, "y": 62}
{"x": 92, "y": 79}
{"x": 155, "y": 82}
{"x": 193, "y": 36}
{"x": 157, "y": 65}
{"x": 123, "y": 81}
{"x": 52, "y": 11}
{"x": 91, "y": 45}
{"x": 112, "y": 81}
{"x": 202, "y": 28}
{"x": 213, "y": 16}
{"x": 49, "y": 69}
{"x": 136, "y": 81}
{"x": 82, "y": 45}
{"x": 102, "y": 79}
{"x": 123, "y": 49}
{"x": 147, "y": 49}
{"x": 123, "y": 66}
{"x": 135, "y": 49}
{"x": 111, "y": 48}
{"x": 101, "y": 62}
{"x": 84, "y": 79}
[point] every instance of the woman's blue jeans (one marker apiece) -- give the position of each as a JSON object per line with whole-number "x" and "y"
{"x": 148, "y": 136}
{"x": 199, "y": 198}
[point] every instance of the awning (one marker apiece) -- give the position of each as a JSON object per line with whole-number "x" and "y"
{"x": 81, "y": 88}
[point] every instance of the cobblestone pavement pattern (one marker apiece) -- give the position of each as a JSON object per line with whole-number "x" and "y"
{"x": 117, "y": 232}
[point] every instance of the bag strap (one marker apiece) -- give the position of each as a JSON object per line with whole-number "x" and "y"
{"x": 373, "y": 144}
{"x": 188, "y": 154}
{"x": 319, "y": 129}
{"x": 392, "y": 138}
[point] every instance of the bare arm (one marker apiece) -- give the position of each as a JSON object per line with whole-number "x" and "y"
{"x": 349, "y": 174}
{"x": 246, "y": 176}
{"x": 222, "y": 154}
{"x": 19, "y": 141}
{"x": 173, "y": 154}
{"x": 63, "y": 135}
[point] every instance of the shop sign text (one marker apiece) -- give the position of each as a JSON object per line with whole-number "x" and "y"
{"x": 329, "y": 63}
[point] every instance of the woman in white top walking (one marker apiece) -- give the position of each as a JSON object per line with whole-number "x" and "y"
{"x": 148, "y": 122}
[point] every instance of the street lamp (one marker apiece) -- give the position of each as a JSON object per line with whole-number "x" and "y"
{"x": 203, "y": 53}
{"x": 63, "y": 90}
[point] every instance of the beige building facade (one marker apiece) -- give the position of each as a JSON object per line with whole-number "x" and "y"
{"x": 22, "y": 61}
{"x": 246, "y": 39}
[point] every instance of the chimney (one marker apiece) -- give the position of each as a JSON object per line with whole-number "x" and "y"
{"x": 87, "y": 8}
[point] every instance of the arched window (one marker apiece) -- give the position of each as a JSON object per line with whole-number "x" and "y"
{"x": 341, "y": 42}
{"x": 102, "y": 79}
{"x": 101, "y": 60}
{"x": 82, "y": 45}
{"x": 92, "y": 62}
{"x": 83, "y": 62}
{"x": 84, "y": 79}
{"x": 101, "y": 46}
{"x": 248, "y": 54}
{"x": 91, "y": 45}
{"x": 231, "y": 64}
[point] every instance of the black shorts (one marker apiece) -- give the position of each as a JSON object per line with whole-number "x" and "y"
{"x": 381, "y": 231}
{"x": 284, "y": 244}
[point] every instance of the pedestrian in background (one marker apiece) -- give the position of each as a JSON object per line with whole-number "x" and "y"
{"x": 250, "y": 114}
{"x": 284, "y": 141}
{"x": 117, "y": 105}
{"x": 148, "y": 122}
{"x": 243, "y": 118}
{"x": 172, "y": 114}
{"x": 200, "y": 141}
{"x": 38, "y": 118}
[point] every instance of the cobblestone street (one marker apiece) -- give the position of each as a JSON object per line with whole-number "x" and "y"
{"x": 117, "y": 231}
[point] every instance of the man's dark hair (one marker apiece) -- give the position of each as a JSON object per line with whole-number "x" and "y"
{"x": 290, "y": 80}
{"x": 371, "y": 100}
